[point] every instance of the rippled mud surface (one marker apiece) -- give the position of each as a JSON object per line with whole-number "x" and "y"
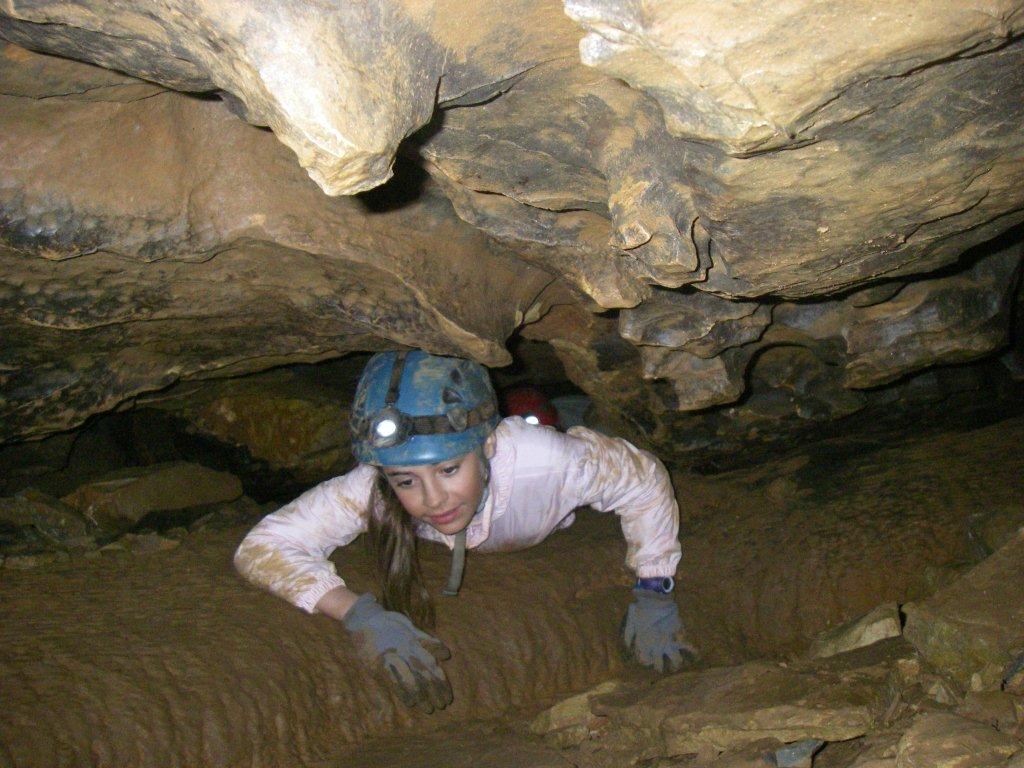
{"x": 171, "y": 659}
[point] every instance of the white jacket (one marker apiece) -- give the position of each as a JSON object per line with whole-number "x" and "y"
{"x": 538, "y": 477}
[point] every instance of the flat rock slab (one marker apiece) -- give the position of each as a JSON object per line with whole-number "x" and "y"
{"x": 127, "y": 496}
{"x": 728, "y": 708}
{"x": 942, "y": 740}
{"x": 973, "y": 629}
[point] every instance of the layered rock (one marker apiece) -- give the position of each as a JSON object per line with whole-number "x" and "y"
{"x": 155, "y": 237}
{"x": 687, "y": 165}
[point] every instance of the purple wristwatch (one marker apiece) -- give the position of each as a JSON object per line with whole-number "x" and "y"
{"x": 662, "y": 584}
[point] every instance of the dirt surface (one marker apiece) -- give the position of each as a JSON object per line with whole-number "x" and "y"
{"x": 170, "y": 658}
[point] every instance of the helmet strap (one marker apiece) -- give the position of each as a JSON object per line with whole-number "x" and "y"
{"x": 396, "y": 378}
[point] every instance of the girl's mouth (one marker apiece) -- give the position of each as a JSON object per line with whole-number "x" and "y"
{"x": 445, "y": 517}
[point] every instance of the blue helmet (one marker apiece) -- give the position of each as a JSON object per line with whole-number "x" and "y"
{"x": 414, "y": 408}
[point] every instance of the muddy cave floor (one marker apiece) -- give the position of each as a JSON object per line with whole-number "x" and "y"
{"x": 169, "y": 658}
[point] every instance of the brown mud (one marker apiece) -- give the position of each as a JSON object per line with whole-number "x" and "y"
{"x": 170, "y": 659}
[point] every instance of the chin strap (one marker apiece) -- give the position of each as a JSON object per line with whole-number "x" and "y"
{"x": 451, "y": 589}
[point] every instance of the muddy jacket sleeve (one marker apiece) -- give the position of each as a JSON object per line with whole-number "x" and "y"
{"x": 613, "y": 474}
{"x": 286, "y": 553}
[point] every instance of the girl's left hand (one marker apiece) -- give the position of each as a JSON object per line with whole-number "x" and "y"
{"x": 651, "y": 632}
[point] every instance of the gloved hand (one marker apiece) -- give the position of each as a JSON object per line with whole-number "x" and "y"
{"x": 650, "y": 629}
{"x": 408, "y": 655}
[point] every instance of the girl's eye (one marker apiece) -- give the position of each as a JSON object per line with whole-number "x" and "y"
{"x": 402, "y": 484}
{"x": 451, "y": 470}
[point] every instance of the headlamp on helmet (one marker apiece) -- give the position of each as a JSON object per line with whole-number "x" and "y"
{"x": 388, "y": 428}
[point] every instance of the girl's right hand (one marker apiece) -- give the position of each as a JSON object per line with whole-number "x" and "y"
{"x": 408, "y": 655}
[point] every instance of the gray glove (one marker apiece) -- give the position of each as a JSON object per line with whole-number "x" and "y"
{"x": 650, "y": 629}
{"x": 408, "y": 655}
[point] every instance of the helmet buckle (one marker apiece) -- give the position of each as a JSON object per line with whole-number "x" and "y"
{"x": 458, "y": 418}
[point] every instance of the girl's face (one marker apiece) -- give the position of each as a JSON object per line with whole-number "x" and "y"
{"x": 444, "y": 495}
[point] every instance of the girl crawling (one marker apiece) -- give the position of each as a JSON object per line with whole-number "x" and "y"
{"x": 436, "y": 462}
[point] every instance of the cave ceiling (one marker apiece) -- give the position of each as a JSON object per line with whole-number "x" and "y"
{"x": 685, "y": 199}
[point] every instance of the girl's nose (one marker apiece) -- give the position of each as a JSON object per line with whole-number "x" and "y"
{"x": 434, "y": 495}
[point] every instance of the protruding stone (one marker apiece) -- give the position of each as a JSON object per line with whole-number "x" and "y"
{"x": 141, "y": 544}
{"x": 879, "y": 752}
{"x": 570, "y": 721}
{"x": 242, "y": 512}
{"x": 948, "y": 320}
{"x": 698, "y": 382}
{"x": 284, "y": 421}
{"x": 974, "y": 626}
{"x": 122, "y": 279}
{"x": 881, "y": 623}
{"x": 695, "y": 322}
{"x": 941, "y": 740}
{"x": 994, "y": 527}
{"x": 692, "y": 70}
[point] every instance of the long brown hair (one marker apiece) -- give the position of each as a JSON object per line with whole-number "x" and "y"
{"x": 395, "y": 552}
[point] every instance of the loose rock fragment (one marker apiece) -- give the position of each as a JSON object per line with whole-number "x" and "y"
{"x": 940, "y": 690}
{"x": 881, "y": 623}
